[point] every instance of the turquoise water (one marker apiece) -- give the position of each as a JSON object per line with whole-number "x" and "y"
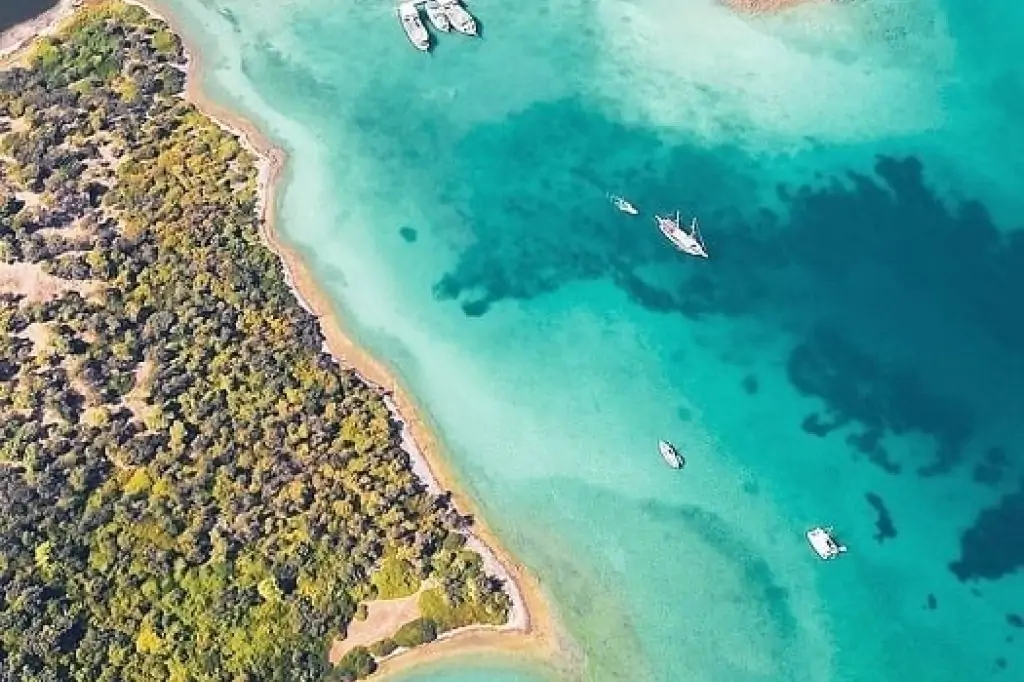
{"x": 469, "y": 671}
{"x": 853, "y": 345}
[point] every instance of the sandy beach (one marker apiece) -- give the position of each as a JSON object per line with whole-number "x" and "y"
{"x": 532, "y": 631}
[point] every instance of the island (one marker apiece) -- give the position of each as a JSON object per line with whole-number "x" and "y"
{"x": 192, "y": 485}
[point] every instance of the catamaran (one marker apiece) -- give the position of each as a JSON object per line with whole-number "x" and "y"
{"x": 671, "y": 455}
{"x": 824, "y": 543}
{"x": 690, "y": 243}
{"x": 623, "y": 205}
{"x": 461, "y": 20}
{"x": 437, "y": 16}
{"x": 413, "y": 26}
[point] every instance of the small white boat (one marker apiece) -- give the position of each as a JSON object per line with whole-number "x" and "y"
{"x": 460, "y": 18}
{"x": 438, "y": 17}
{"x": 690, "y": 243}
{"x": 824, "y": 543}
{"x": 671, "y": 455}
{"x": 413, "y": 26}
{"x": 623, "y": 205}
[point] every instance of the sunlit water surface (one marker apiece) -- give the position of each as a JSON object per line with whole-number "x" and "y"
{"x": 850, "y": 354}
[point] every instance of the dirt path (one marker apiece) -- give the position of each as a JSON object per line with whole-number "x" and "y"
{"x": 383, "y": 620}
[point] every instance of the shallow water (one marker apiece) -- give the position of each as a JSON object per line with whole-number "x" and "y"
{"x": 13, "y": 12}
{"x": 468, "y": 672}
{"x": 853, "y": 345}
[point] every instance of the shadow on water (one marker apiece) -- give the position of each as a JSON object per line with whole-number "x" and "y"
{"x": 907, "y": 287}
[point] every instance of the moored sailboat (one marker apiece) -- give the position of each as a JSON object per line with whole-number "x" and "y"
{"x": 690, "y": 243}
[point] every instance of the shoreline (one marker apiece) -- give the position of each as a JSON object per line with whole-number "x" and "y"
{"x": 532, "y": 630}
{"x": 20, "y": 35}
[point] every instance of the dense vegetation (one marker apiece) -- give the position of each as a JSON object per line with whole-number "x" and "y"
{"x": 190, "y": 487}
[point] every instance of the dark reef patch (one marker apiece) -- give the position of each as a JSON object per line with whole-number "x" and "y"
{"x": 1015, "y": 620}
{"x": 992, "y": 468}
{"x": 525, "y": 242}
{"x": 869, "y": 443}
{"x": 750, "y": 385}
{"x": 881, "y": 340}
{"x": 990, "y": 548}
{"x": 858, "y": 388}
{"x": 816, "y": 425}
{"x": 408, "y": 234}
{"x": 885, "y": 530}
{"x": 931, "y": 603}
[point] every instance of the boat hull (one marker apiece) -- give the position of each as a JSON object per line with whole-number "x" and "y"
{"x": 414, "y": 29}
{"x": 823, "y": 544}
{"x": 623, "y": 205}
{"x": 437, "y": 17}
{"x": 460, "y": 18}
{"x": 671, "y": 455}
{"x": 679, "y": 238}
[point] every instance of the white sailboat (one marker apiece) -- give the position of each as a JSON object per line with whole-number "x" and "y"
{"x": 824, "y": 543}
{"x": 623, "y": 205}
{"x": 438, "y": 17}
{"x": 413, "y": 26}
{"x": 690, "y": 243}
{"x": 670, "y": 454}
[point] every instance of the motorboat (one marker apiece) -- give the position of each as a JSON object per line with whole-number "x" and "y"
{"x": 437, "y": 16}
{"x": 623, "y": 205}
{"x": 670, "y": 454}
{"x": 690, "y": 243}
{"x": 460, "y": 18}
{"x": 413, "y": 26}
{"x": 824, "y": 543}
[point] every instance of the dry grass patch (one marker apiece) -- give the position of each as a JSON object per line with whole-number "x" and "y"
{"x": 37, "y": 286}
{"x": 40, "y": 334}
{"x": 383, "y": 619}
{"x": 136, "y": 399}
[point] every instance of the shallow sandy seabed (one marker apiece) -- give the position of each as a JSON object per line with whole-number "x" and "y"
{"x": 764, "y": 5}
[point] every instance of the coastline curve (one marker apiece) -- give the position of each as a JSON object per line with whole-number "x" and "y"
{"x": 532, "y": 630}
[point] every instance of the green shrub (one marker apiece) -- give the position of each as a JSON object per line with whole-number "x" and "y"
{"x": 383, "y": 647}
{"x": 395, "y": 578}
{"x": 416, "y": 632}
{"x": 355, "y": 665}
